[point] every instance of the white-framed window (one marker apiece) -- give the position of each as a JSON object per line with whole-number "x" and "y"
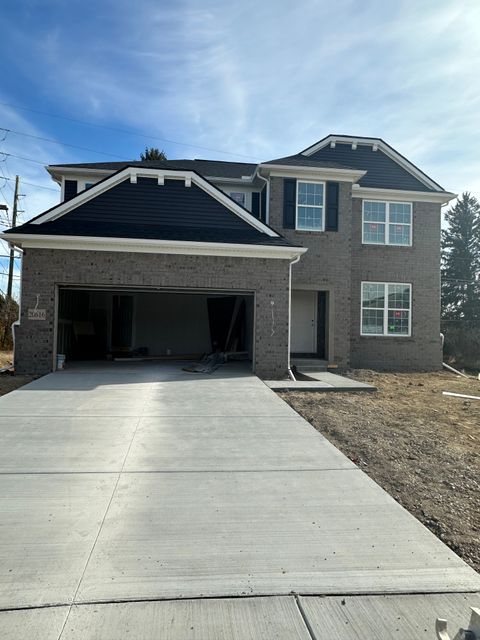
{"x": 386, "y": 309}
{"x": 387, "y": 223}
{"x": 239, "y": 196}
{"x": 310, "y": 210}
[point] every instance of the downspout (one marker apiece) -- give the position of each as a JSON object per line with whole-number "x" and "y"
{"x": 267, "y": 195}
{"x": 16, "y": 323}
{"x": 292, "y": 262}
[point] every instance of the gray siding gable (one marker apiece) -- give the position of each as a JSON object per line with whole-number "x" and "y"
{"x": 382, "y": 171}
{"x": 150, "y": 211}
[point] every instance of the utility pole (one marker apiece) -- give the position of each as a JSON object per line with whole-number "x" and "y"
{"x": 12, "y": 253}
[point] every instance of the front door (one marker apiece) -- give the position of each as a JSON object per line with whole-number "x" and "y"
{"x": 303, "y": 338}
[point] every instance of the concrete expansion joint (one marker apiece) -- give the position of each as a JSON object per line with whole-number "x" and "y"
{"x": 258, "y": 596}
{"x": 304, "y": 617}
{"x": 172, "y": 471}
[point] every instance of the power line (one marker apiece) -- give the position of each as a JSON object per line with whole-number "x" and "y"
{"x": 64, "y": 144}
{"x": 128, "y": 131}
{"x": 31, "y": 184}
{"x": 12, "y": 155}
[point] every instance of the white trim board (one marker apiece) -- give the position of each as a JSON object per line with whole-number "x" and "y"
{"x": 320, "y": 173}
{"x": 134, "y": 245}
{"x": 378, "y": 144}
{"x": 133, "y": 173}
{"x": 57, "y": 172}
{"x": 371, "y": 193}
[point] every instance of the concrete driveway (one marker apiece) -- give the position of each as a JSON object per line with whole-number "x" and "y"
{"x": 138, "y": 482}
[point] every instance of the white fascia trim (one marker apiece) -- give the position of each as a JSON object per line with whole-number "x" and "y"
{"x": 369, "y": 193}
{"x": 379, "y": 144}
{"x": 57, "y": 172}
{"x": 133, "y": 173}
{"x": 140, "y": 245}
{"x": 322, "y": 173}
{"x": 243, "y": 180}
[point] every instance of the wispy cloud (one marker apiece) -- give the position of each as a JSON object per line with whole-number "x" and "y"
{"x": 260, "y": 79}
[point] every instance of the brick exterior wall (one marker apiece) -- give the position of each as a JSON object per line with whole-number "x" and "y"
{"x": 325, "y": 267}
{"x": 337, "y": 262}
{"x": 418, "y": 265}
{"x": 45, "y": 269}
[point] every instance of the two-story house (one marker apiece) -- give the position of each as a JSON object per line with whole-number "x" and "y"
{"x": 333, "y": 253}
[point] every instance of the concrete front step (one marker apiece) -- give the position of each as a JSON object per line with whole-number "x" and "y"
{"x": 309, "y": 364}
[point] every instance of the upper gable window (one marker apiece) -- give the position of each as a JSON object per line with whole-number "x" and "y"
{"x": 310, "y": 206}
{"x": 239, "y": 197}
{"x": 387, "y": 223}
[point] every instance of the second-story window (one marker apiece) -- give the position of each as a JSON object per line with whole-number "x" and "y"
{"x": 310, "y": 206}
{"x": 239, "y": 197}
{"x": 387, "y": 223}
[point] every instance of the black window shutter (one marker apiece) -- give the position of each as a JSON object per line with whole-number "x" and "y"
{"x": 70, "y": 189}
{"x": 289, "y": 202}
{"x": 256, "y": 204}
{"x": 331, "y": 220}
{"x": 263, "y": 208}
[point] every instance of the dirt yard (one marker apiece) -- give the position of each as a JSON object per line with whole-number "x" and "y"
{"x": 421, "y": 447}
{"x": 7, "y": 381}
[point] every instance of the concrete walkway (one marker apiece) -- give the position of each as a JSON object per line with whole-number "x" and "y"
{"x": 138, "y": 482}
{"x": 322, "y": 381}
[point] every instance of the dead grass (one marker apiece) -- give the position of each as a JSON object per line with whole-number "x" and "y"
{"x": 420, "y": 446}
{"x": 9, "y": 382}
{"x": 6, "y": 358}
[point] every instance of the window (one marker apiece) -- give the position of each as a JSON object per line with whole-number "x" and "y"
{"x": 310, "y": 206}
{"x": 89, "y": 184}
{"x": 386, "y": 309}
{"x": 239, "y": 197}
{"x": 387, "y": 223}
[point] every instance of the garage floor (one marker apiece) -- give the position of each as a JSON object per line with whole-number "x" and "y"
{"x": 138, "y": 482}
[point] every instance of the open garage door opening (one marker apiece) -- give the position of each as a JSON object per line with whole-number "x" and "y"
{"x": 94, "y": 324}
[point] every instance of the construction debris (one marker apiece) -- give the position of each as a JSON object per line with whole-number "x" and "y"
{"x": 459, "y": 373}
{"x": 7, "y": 370}
{"x": 460, "y": 395}
{"x": 208, "y": 364}
{"x": 472, "y": 633}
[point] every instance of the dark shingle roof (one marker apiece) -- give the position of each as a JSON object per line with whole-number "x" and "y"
{"x": 207, "y": 168}
{"x": 382, "y": 171}
{"x": 146, "y": 210}
{"x": 304, "y": 161}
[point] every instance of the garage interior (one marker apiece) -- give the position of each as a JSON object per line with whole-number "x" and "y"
{"x": 99, "y": 324}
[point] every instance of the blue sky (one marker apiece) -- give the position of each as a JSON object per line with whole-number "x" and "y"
{"x": 255, "y": 79}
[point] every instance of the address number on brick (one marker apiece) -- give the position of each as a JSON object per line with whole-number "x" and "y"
{"x": 37, "y": 314}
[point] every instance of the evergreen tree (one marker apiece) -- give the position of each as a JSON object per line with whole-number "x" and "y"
{"x": 151, "y": 154}
{"x": 461, "y": 264}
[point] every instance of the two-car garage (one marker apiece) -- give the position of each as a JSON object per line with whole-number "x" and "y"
{"x": 98, "y": 323}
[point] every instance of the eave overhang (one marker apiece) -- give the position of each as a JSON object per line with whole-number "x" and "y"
{"x": 317, "y": 173}
{"x": 372, "y": 193}
{"x": 138, "y": 245}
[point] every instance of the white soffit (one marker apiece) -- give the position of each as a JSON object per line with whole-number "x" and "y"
{"x": 139, "y": 245}
{"x": 370, "y": 193}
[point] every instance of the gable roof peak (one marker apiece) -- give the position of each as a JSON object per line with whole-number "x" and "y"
{"x": 377, "y": 144}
